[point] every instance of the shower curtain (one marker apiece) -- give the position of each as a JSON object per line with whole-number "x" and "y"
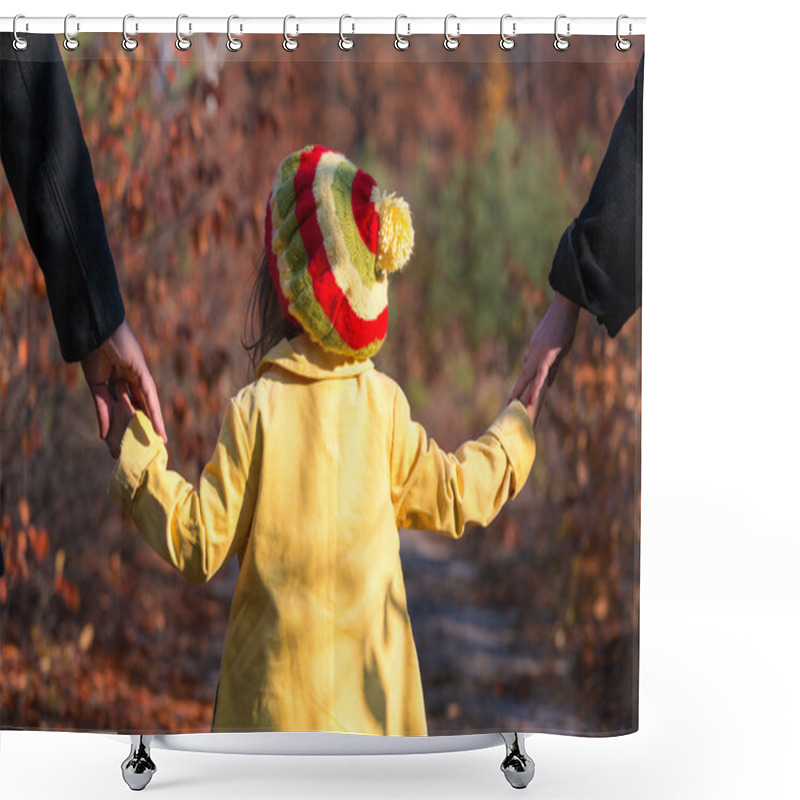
{"x": 529, "y": 623}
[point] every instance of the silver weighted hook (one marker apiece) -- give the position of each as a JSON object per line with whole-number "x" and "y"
{"x": 401, "y": 42}
{"x": 345, "y": 43}
{"x": 70, "y": 42}
{"x": 128, "y": 42}
{"x": 622, "y": 44}
{"x": 561, "y": 43}
{"x": 506, "y": 42}
{"x": 451, "y": 42}
{"x": 19, "y": 43}
{"x": 181, "y": 42}
{"x": 233, "y": 44}
{"x": 289, "y": 43}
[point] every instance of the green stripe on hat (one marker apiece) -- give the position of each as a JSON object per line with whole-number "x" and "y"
{"x": 288, "y": 167}
{"x": 360, "y": 256}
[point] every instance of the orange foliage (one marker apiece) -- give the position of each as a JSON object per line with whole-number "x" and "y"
{"x": 96, "y": 632}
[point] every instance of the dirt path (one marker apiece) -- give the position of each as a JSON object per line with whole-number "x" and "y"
{"x": 478, "y": 670}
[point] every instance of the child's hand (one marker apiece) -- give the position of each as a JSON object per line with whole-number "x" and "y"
{"x": 122, "y": 412}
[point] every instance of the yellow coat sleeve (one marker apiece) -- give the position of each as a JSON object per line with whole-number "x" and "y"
{"x": 195, "y": 530}
{"x": 444, "y": 492}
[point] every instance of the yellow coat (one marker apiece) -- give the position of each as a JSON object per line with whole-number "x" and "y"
{"x": 318, "y": 464}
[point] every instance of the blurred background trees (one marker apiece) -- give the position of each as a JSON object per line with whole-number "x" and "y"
{"x": 533, "y": 620}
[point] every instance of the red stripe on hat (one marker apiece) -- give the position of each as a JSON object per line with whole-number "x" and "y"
{"x": 356, "y": 332}
{"x": 364, "y": 213}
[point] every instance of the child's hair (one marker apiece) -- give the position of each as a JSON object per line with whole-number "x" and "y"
{"x": 265, "y": 323}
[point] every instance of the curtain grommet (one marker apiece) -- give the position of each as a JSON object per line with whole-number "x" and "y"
{"x": 451, "y": 42}
{"x": 19, "y": 43}
{"x": 622, "y": 44}
{"x": 401, "y": 42}
{"x": 561, "y": 43}
{"x": 181, "y": 41}
{"x": 506, "y": 42}
{"x": 233, "y": 44}
{"x": 290, "y": 44}
{"x": 70, "y": 42}
{"x": 345, "y": 43}
{"x": 129, "y": 43}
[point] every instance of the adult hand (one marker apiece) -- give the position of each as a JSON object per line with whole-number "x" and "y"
{"x": 121, "y": 415}
{"x": 549, "y": 344}
{"x": 534, "y": 406}
{"x": 120, "y": 358}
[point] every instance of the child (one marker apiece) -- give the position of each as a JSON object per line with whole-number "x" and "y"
{"x": 318, "y": 464}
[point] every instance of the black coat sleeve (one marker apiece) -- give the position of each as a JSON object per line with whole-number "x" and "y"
{"x": 598, "y": 262}
{"x": 49, "y": 170}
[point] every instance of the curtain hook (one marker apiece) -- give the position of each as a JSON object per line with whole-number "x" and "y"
{"x": 181, "y": 42}
{"x": 451, "y": 42}
{"x": 19, "y": 43}
{"x": 128, "y": 42}
{"x": 561, "y": 43}
{"x": 401, "y": 42}
{"x": 623, "y": 44}
{"x": 345, "y": 43}
{"x": 506, "y": 42}
{"x": 289, "y": 43}
{"x": 70, "y": 42}
{"x": 233, "y": 44}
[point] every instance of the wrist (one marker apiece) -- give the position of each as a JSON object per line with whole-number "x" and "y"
{"x": 565, "y": 304}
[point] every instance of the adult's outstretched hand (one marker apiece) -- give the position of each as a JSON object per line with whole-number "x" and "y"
{"x": 549, "y": 344}
{"x": 120, "y": 358}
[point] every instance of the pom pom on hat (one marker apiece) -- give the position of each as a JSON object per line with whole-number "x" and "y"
{"x": 395, "y": 233}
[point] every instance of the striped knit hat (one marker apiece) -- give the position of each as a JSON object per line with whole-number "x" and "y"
{"x": 331, "y": 239}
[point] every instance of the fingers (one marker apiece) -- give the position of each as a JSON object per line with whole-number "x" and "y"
{"x": 535, "y": 402}
{"x": 524, "y": 394}
{"x": 119, "y": 422}
{"x": 525, "y": 377}
{"x": 121, "y": 413}
{"x": 535, "y": 369}
{"x": 145, "y": 398}
{"x": 102, "y": 406}
{"x": 140, "y": 382}
{"x": 552, "y": 372}
{"x": 120, "y": 360}
{"x": 130, "y": 409}
{"x": 122, "y": 396}
{"x": 535, "y": 372}
{"x": 148, "y": 388}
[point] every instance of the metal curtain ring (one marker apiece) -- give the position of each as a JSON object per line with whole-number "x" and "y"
{"x": 19, "y": 43}
{"x": 344, "y": 42}
{"x": 506, "y": 42}
{"x": 561, "y": 43}
{"x": 181, "y": 42}
{"x": 623, "y": 44}
{"x": 128, "y": 42}
{"x": 290, "y": 44}
{"x": 70, "y": 42}
{"x": 401, "y": 42}
{"x": 233, "y": 44}
{"x": 451, "y": 42}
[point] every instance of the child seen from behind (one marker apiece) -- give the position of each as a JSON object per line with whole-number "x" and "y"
{"x": 317, "y": 467}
